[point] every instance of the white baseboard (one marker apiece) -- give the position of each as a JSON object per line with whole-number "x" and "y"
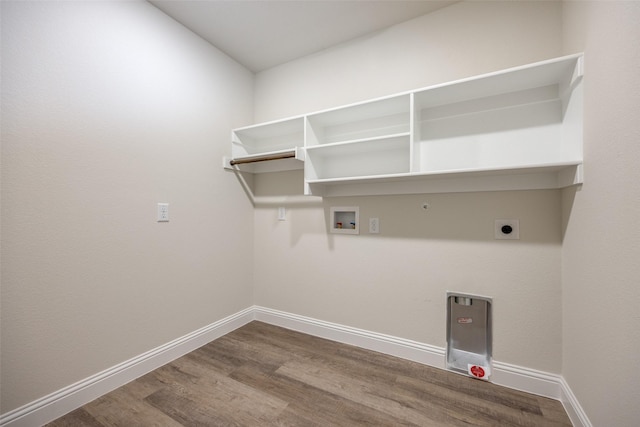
{"x": 576, "y": 414}
{"x": 516, "y": 377}
{"x": 526, "y": 379}
{"x": 512, "y": 376}
{"x": 61, "y": 402}
{"x": 74, "y": 396}
{"x": 405, "y": 349}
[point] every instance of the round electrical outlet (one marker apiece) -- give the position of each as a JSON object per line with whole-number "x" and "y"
{"x": 507, "y": 229}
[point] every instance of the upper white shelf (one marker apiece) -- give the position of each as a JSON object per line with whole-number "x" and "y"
{"x": 559, "y": 71}
{"x": 519, "y": 128}
{"x": 276, "y": 135}
{"x": 269, "y": 140}
{"x": 373, "y": 119}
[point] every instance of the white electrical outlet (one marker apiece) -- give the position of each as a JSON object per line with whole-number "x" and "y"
{"x": 282, "y": 214}
{"x": 163, "y": 212}
{"x": 374, "y": 225}
{"x": 507, "y": 229}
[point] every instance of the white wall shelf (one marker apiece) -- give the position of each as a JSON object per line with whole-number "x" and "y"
{"x": 519, "y": 128}
{"x": 269, "y": 139}
{"x": 382, "y": 155}
{"x": 378, "y": 118}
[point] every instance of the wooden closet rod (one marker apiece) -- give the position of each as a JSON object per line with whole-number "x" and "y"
{"x": 267, "y": 157}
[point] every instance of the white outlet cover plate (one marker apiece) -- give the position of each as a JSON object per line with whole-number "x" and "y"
{"x": 374, "y": 225}
{"x": 515, "y": 226}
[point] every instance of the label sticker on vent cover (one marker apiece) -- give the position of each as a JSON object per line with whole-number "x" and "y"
{"x": 481, "y": 372}
{"x": 465, "y": 320}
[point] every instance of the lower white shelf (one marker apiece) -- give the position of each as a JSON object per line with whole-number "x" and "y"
{"x": 531, "y": 177}
{"x": 388, "y": 155}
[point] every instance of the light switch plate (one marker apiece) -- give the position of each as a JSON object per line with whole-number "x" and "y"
{"x": 163, "y": 212}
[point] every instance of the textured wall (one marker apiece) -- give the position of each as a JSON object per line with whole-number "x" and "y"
{"x": 396, "y": 282}
{"x": 107, "y": 109}
{"x": 601, "y": 247}
{"x": 458, "y": 41}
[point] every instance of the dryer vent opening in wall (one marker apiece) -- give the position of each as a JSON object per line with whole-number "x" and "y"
{"x": 469, "y": 334}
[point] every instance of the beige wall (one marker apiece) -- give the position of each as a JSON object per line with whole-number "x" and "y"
{"x": 111, "y": 107}
{"x": 396, "y": 282}
{"x": 601, "y": 248}
{"x": 458, "y": 41}
{"x": 107, "y": 109}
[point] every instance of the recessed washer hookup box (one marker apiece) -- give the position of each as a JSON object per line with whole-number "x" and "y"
{"x": 469, "y": 334}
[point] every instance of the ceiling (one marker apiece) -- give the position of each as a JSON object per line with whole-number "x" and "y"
{"x": 261, "y": 34}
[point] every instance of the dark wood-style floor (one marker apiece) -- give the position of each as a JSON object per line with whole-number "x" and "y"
{"x": 263, "y": 375}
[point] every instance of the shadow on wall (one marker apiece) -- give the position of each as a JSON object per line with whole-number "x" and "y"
{"x": 568, "y": 198}
{"x": 448, "y": 216}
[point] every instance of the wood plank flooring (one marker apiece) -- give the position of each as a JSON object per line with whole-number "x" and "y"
{"x": 263, "y": 375}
